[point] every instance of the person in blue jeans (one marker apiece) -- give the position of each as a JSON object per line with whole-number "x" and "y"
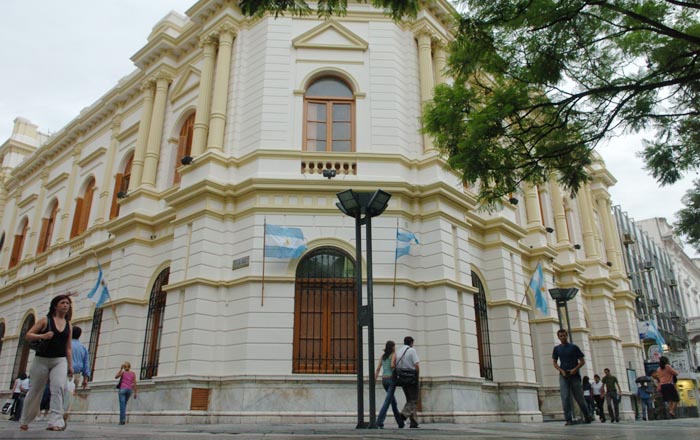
{"x": 387, "y": 363}
{"x": 645, "y": 392}
{"x": 571, "y": 360}
{"x": 127, "y": 386}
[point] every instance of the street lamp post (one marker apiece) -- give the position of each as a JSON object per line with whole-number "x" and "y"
{"x": 562, "y": 297}
{"x": 357, "y": 204}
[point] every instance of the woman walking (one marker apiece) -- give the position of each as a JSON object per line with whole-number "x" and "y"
{"x": 666, "y": 374}
{"x": 53, "y": 363}
{"x": 387, "y": 363}
{"x": 127, "y": 386}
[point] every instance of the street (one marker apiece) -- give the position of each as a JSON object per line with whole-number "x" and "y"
{"x": 680, "y": 429}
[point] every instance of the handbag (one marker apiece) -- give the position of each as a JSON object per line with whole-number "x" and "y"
{"x": 40, "y": 345}
{"x": 119, "y": 384}
{"x": 404, "y": 376}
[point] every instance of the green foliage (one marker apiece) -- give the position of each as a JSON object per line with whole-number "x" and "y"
{"x": 539, "y": 83}
{"x": 688, "y": 218}
{"x": 397, "y": 9}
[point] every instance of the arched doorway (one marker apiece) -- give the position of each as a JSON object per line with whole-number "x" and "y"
{"x": 325, "y": 313}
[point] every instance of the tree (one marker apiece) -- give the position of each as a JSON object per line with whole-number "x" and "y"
{"x": 538, "y": 84}
{"x": 688, "y": 218}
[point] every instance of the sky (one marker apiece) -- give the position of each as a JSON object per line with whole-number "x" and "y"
{"x": 58, "y": 57}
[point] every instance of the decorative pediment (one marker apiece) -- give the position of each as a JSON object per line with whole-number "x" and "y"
{"x": 330, "y": 35}
{"x": 188, "y": 81}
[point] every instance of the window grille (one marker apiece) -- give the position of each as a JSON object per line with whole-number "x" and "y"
{"x": 482, "y": 329}
{"x": 95, "y": 338}
{"x": 325, "y": 314}
{"x": 154, "y": 326}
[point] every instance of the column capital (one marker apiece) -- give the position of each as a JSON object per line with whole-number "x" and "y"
{"x": 77, "y": 151}
{"x": 44, "y": 175}
{"x": 208, "y": 41}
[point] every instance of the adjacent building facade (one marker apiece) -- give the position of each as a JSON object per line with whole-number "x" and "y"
{"x": 227, "y": 125}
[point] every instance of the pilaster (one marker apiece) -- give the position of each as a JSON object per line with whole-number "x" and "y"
{"x": 104, "y": 205}
{"x": 142, "y": 139}
{"x": 425, "y": 71}
{"x": 201, "y": 118}
{"x": 38, "y": 214}
{"x": 68, "y": 202}
{"x": 217, "y": 120}
{"x": 155, "y": 134}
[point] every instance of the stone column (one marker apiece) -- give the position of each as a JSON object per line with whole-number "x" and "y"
{"x": 38, "y": 215}
{"x": 560, "y": 226}
{"x": 155, "y": 134}
{"x": 427, "y": 82}
{"x": 532, "y": 206}
{"x": 217, "y": 120}
{"x": 201, "y": 118}
{"x": 611, "y": 238}
{"x": 107, "y": 178}
{"x": 440, "y": 62}
{"x": 587, "y": 224}
{"x": 69, "y": 202}
{"x": 142, "y": 139}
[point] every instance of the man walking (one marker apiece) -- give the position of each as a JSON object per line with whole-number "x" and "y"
{"x": 81, "y": 359}
{"x": 407, "y": 359}
{"x": 570, "y": 360}
{"x": 612, "y": 395}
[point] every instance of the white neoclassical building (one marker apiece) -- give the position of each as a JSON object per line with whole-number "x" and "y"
{"x": 258, "y": 108}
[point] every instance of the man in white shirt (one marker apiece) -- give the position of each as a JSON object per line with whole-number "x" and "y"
{"x": 407, "y": 358}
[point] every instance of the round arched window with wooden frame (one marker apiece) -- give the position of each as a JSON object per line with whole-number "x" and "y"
{"x": 329, "y": 114}
{"x": 22, "y": 355}
{"x": 325, "y": 313}
{"x": 184, "y": 143}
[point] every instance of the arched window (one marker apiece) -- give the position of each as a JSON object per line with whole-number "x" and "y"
{"x": 121, "y": 185}
{"x": 325, "y": 313}
{"x": 482, "y": 328}
{"x": 18, "y": 244}
{"x": 95, "y": 337}
{"x": 47, "y": 225}
{"x": 82, "y": 210}
{"x": 22, "y": 355}
{"x": 329, "y": 106}
{"x": 154, "y": 326}
{"x": 184, "y": 144}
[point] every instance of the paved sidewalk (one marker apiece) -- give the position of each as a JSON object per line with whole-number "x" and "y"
{"x": 682, "y": 429}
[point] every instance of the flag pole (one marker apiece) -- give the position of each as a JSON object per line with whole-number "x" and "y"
{"x": 111, "y": 303}
{"x": 393, "y": 299}
{"x": 521, "y": 302}
{"x": 262, "y": 293}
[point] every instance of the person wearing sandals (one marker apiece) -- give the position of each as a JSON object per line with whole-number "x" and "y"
{"x": 387, "y": 363}
{"x": 127, "y": 386}
{"x": 53, "y": 363}
{"x": 665, "y": 375}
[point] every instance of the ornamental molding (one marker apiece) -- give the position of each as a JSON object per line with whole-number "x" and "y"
{"x": 330, "y": 35}
{"x": 187, "y": 82}
{"x": 26, "y": 202}
{"x": 92, "y": 156}
{"x": 57, "y": 180}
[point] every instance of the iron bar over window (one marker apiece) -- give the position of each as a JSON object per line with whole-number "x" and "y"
{"x": 154, "y": 326}
{"x": 325, "y": 314}
{"x": 482, "y": 329}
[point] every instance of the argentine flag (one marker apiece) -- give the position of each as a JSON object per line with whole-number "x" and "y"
{"x": 99, "y": 294}
{"x": 404, "y": 240}
{"x": 648, "y": 330}
{"x": 281, "y": 242}
{"x": 537, "y": 286}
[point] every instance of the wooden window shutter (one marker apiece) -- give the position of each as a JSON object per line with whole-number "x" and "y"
{"x": 200, "y": 399}
{"x": 42, "y": 236}
{"x": 114, "y": 211}
{"x": 87, "y": 205}
{"x": 76, "y": 217}
{"x": 16, "y": 250}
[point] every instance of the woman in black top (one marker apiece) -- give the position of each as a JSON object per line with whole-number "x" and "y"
{"x": 54, "y": 362}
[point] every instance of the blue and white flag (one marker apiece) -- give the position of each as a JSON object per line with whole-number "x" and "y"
{"x": 648, "y": 330}
{"x": 404, "y": 240}
{"x": 537, "y": 286}
{"x": 281, "y": 242}
{"x": 99, "y": 294}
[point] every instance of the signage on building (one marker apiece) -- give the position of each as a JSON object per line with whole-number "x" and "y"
{"x": 241, "y": 263}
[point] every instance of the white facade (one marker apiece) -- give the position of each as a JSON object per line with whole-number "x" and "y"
{"x": 223, "y": 339}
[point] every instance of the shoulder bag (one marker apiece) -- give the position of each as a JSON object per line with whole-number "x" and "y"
{"x": 40, "y": 345}
{"x": 404, "y": 376}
